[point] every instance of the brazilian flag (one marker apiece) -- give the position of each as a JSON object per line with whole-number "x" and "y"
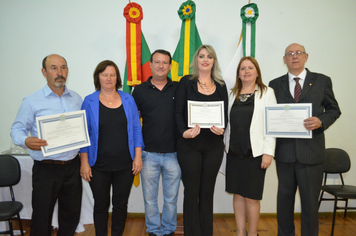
{"x": 189, "y": 42}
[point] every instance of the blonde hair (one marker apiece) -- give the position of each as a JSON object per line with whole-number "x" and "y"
{"x": 215, "y": 70}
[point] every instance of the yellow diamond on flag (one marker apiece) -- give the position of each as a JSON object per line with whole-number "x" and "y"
{"x": 187, "y": 10}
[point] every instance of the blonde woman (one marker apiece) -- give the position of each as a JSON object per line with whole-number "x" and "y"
{"x": 200, "y": 150}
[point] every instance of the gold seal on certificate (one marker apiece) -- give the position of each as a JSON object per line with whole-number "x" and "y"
{"x": 63, "y": 132}
{"x": 287, "y": 120}
{"x": 206, "y": 114}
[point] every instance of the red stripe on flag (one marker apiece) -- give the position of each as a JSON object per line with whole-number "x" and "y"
{"x": 146, "y": 71}
{"x": 128, "y": 52}
{"x": 138, "y": 50}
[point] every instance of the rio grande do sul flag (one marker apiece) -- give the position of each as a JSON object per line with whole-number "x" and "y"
{"x": 188, "y": 43}
{"x": 137, "y": 68}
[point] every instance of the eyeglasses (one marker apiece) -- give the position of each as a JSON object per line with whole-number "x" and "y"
{"x": 297, "y": 53}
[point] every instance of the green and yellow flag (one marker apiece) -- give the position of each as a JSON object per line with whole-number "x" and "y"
{"x": 189, "y": 42}
{"x": 137, "y": 68}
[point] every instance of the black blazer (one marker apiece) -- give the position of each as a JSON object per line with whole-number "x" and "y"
{"x": 317, "y": 89}
{"x": 188, "y": 90}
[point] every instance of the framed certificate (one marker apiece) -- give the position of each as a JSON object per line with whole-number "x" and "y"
{"x": 63, "y": 132}
{"x": 206, "y": 114}
{"x": 287, "y": 120}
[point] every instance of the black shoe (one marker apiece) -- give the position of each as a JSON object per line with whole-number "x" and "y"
{"x": 171, "y": 234}
{"x": 152, "y": 234}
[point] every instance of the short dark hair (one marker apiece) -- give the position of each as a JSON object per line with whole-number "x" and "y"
{"x": 162, "y": 52}
{"x": 45, "y": 60}
{"x": 100, "y": 68}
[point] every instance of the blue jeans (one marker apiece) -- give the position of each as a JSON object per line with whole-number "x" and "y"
{"x": 155, "y": 164}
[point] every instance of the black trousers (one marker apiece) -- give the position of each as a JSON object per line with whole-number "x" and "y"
{"x": 100, "y": 184}
{"x": 200, "y": 162}
{"x": 49, "y": 183}
{"x": 308, "y": 179}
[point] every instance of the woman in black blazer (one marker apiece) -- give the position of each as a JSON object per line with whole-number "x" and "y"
{"x": 200, "y": 150}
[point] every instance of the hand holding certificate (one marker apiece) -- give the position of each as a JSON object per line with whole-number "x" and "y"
{"x": 206, "y": 114}
{"x": 63, "y": 132}
{"x": 287, "y": 120}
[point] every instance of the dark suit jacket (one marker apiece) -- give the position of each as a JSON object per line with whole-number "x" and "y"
{"x": 188, "y": 90}
{"x": 317, "y": 89}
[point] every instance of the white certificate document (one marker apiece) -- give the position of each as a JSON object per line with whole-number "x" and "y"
{"x": 287, "y": 120}
{"x": 63, "y": 132}
{"x": 206, "y": 114}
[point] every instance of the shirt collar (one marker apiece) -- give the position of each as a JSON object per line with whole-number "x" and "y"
{"x": 149, "y": 83}
{"x": 48, "y": 91}
{"x": 302, "y": 76}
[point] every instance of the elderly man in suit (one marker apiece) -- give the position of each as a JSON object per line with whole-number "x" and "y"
{"x": 299, "y": 162}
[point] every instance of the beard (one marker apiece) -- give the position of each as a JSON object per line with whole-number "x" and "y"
{"x": 60, "y": 83}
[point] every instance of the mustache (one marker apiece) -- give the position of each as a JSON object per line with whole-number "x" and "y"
{"x": 59, "y": 77}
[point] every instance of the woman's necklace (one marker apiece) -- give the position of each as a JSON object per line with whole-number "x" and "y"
{"x": 207, "y": 87}
{"x": 244, "y": 97}
{"x": 108, "y": 98}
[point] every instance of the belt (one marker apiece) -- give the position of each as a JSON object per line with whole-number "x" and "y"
{"x": 53, "y": 162}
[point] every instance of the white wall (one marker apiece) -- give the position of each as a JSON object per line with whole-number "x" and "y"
{"x": 86, "y": 32}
